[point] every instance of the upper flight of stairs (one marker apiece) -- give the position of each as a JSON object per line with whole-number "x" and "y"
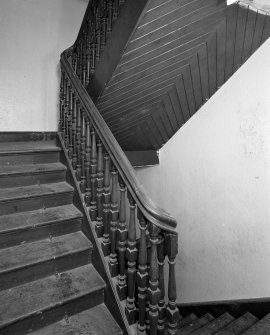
{"x": 225, "y": 324}
{"x": 48, "y": 284}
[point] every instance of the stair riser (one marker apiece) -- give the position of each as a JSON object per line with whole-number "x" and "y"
{"x": 39, "y": 232}
{"x": 44, "y": 269}
{"x": 32, "y": 179}
{"x": 37, "y": 202}
{"x": 29, "y": 158}
{"x": 54, "y": 314}
{"x": 27, "y": 136}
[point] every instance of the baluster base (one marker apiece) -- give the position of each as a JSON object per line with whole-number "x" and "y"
{"x": 83, "y": 185}
{"x": 99, "y": 228}
{"x": 122, "y": 291}
{"x": 106, "y": 248}
{"x": 131, "y": 315}
{"x": 113, "y": 267}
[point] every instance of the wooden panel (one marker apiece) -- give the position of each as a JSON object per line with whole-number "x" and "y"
{"x": 176, "y": 59}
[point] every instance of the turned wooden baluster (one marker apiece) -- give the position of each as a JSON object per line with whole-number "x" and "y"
{"x": 93, "y": 57}
{"x": 113, "y": 262}
{"x": 103, "y": 30}
{"x": 122, "y": 240}
{"x": 106, "y": 245}
{"x": 161, "y": 304}
{"x": 84, "y": 60}
{"x": 171, "y": 244}
{"x": 115, "y": 10}
{"x": 93, "y": 203}
{"x": 110, "y": 16}
{"x": 142, "y": 276}
{"x": 98, "y": 34}
{"x": 61, "y": 102}
{"x": 153, "y": 290}
{"x": 64, "y": 108}
{"x": 74, "y": 61}
{"x": 79, "y": 142}
{"x": 87, "y": 197}
{"x": 70, "y": 122}
{"x": 74, "y": 134}
{"x": 132, "y": 253}
{"x": 67, "y": 114}
{"x": 99, "y": 225}
{"x": 83, "y": 143}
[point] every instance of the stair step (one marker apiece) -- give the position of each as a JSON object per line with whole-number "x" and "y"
{"x": 262, "y": 327}
{"x": 216, "y": 325}
{"x": 186, "y": 320}
{"x": 30, "y": 174}
{"x": 38, "y": 303}
{"x": 31, "y": 261}
{"x": 38, "y": 224}
{"x": 239, "y": 325}
{"x": 25, "y": 198}
{"x": 29, "y": 152}
{"x": 96, "y": 321}
{"x": 196, "y": 324}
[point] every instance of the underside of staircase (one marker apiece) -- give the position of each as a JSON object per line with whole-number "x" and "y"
{"x": 48, "y": 283}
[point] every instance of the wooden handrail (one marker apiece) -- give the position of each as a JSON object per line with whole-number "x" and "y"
{"x": 154, "y": 214}
{"x": 102, "y": 171}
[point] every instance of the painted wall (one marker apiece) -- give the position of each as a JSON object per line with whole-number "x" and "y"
{"x": 214, "y": 177}
{"x": 33, "y": 33}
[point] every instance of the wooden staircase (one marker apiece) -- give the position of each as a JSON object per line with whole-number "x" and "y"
{"x": 48, "y": 283}
{"x": 225, "y": 324}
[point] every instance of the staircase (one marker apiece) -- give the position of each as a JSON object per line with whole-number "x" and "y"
{"x": 224, "y": 324}
{"x": 48, "y": 284}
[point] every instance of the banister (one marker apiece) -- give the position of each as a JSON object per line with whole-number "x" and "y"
{"x": 154, "y": 214}
{"x": 108, "y": 183}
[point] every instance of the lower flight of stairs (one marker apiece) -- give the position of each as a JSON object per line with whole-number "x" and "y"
{"x": 48, "y": 284}
{"x": 225, "y": 324}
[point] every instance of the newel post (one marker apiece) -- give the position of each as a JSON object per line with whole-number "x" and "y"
{"x": 171, "y": 243}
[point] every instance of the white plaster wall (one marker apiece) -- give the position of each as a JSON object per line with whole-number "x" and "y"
{"x": 33, "y": 33}
{"x": 214, "y": 177}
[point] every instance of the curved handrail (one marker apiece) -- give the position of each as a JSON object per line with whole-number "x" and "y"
{"x": 154, "y": 214}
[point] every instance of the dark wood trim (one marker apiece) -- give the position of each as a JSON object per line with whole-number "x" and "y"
{"x": 17, "y": 136}
{"x": 258, "y": 307}
{"x": 142, "y": 158}
{"x": 152, "y": 213}
{"x": 116, "y": 45}
{"x": 110, "y": 294}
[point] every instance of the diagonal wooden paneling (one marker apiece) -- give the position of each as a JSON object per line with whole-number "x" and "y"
{"x": 181, "y": 52}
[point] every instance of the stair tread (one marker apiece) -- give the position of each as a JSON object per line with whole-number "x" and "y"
{"x": 27, "y": 254}
{"x": 239, "y": 325}
{"x": 28, "y": 146}
{"x": 35, "y": 297}
{"x": 215, "y": 325}
{"x": 96, "y": 320}
{"x": 196, "y": 324}
{"x": 262, "y": 327}
{"x": 34, "y": 190}
{"x": 186, "y": 320}
{"x": 30, "y": 219}
{"x": 7, "y": 170}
